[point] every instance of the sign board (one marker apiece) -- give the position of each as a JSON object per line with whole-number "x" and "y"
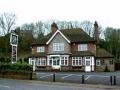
{"x": 13, "y": 39}
{"x": 14, "y": 43}
{"x": 14, "y": 54}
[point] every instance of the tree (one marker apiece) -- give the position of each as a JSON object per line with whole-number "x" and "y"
{"x": 7, "y": 22}
{"x": 87, "y": 26}
{"x": 112, "y": 41}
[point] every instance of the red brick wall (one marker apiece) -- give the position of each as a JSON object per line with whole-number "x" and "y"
{"x": 74, "y": 47}
{"x": 34, "y": 49}
{"x": 92, "y": 47}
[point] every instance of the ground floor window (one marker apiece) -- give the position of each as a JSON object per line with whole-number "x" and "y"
{"x": 50, "y": 61}
{"x": 64, "y": 61}
{"x": 98, "y": 62}
{"x": 110, "y": 62}
{"x": 41, "y": 62}
{"x": 77, "y": 61}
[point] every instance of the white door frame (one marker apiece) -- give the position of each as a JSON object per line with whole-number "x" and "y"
{"x": 32, "y": 62}
{"x": 56, "y": 63}
{"x": 88, "y": 64}
{"x": 56, "y": 58}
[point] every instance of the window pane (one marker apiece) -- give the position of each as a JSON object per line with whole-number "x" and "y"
{"x": 40, "y": 49}
{"x": 82, "y": 47}
{"x": 87, "y": 63}
{"x": 76, "y": 62}
{"x": 54, "y": 62}
{"x": 62, "y": 62}
{"x": 66, "y": 62}
{"x": 98, "y": 63}
{"x": 58, "y": 46}
{"x": 58, "y": 62}
{"x": 73, "y": 62}
{"x": 80, "y": 62}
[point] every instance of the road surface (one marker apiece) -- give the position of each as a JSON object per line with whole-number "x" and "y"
{"x": 10, "y": 84}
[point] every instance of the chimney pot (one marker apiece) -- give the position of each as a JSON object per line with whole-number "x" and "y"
{"x": 54, "y": 27}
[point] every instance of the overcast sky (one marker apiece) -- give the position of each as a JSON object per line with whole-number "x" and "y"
{"x": 106, "y": 12}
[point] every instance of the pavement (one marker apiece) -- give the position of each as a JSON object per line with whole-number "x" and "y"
{"x": 12, "y": 84}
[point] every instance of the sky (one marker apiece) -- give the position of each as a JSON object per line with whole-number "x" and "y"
{"x": 106, "y": 12}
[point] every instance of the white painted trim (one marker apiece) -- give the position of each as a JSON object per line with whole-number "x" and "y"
{"x": 11, "y": 39}
{"x": 58, "y": 31}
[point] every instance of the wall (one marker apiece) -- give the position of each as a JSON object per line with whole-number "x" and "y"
{"x": 59, "y": 39}
{"x": 106, "y": 62}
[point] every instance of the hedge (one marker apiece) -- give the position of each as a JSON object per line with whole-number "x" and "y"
{"x": 17, "y": 67}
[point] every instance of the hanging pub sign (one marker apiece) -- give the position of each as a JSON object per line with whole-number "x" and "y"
{"x": 14, "y": 43}
{"x": 14, "y": 54}
{"x": 14, "y": 39}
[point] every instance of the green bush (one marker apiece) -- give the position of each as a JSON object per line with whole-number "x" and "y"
{"x": 15, "y": 67}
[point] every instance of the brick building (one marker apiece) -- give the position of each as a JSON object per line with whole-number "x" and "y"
{"x": 69, "y": 50}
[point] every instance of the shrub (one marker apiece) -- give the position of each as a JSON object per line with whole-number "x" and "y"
{"x": 15, "y": 67}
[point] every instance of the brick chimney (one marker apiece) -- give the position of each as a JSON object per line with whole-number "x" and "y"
{"x": 54, "y": 27}
{"x": 96, "y": 32}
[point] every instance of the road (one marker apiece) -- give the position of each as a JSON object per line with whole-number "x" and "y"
{"x": 76, "y": 77}
{"x": 10, "y": 84}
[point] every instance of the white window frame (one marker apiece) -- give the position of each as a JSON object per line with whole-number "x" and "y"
{"x": 98, "y": 61}
{"x": 50, "y": 59}
{"x": 82, "y": 47}
{"x": 111, "y": 62}
{"x": 58, "y": 46}
{"x": 41, "y": 49}
{"x": 40, "y": 62}
{"x": 77, "y": 59}
{"x": 64, "y": 59}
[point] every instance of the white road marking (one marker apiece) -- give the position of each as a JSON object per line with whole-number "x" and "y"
{"x": 87, "y": 77}
{"x": 63, "y": 74}
{"x": 67, "y": 76}
{"x": 79, "y": 75}
{"x": 46, "y": 75}
{"x": 4, "y": 86}
{"x": 41, "y": 73}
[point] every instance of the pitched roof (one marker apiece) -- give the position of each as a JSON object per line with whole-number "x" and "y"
{"x": 101, "y": 53}
{"x": 76, "y": 35}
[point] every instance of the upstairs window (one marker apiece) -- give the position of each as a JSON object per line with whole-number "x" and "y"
{"x": 41, "y": 49}
{"x": 82, "y": 47}
{"x": 58, "y": 46}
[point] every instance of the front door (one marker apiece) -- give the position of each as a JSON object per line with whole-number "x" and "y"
{"x": 56, "y": 63}
{"x": 87, "y": 64}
